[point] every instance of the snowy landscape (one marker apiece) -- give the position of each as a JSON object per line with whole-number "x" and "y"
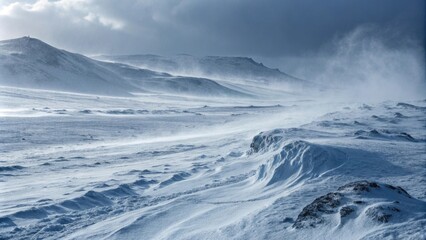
{"x": 173, "y": 157}
{"x": 143, "y": 146}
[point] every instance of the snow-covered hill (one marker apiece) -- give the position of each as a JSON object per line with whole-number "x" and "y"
{"x": 216, "y": 67}
{"x": 151, "y": 81}
{"x": 30, "y": 63}
{"x": 161, "y": 165}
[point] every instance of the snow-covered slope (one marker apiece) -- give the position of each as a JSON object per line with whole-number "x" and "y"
{"x": 162, "y": 165}
{"x": 152, "y": 81}
{"x": 167, "y": 167}
{"x": 30, "y": 63}
{"x": 216, "y": 67}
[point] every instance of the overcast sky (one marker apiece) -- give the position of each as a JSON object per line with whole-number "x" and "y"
{"x": 263, "y": 28}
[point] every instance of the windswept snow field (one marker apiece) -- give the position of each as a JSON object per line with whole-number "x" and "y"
{"x": 188, "y": 157}
{"x": 154, "y": 166}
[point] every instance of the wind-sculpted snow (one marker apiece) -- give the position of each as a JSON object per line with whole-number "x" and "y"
{"x": 175, "y": 178}
{"x": 166, "y": 166}
{"x": 273, "y": 139}
{"x": 361, "y": 203}
{"x": 299, "y": 161}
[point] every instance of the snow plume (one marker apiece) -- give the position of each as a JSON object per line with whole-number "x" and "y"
{"x": 363, "y": 65}
{"x": 369, "y": 65}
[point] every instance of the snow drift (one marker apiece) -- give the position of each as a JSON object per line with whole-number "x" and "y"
{"x": 299, "y": 161}
{"x": 268, "y": 140}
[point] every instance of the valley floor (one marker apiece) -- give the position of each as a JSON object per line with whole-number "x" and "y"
{"x": 78, "y": 166}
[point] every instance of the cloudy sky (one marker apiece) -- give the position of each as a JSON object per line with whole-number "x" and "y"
{"x": 263, "y": 28}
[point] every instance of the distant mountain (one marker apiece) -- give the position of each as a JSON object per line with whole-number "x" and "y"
{"x": 30, "y": 63}
{"x": 238, "y": 68}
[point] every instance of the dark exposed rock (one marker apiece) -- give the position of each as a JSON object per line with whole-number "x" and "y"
{"x": 383, "y": 218}
{"x": 326, "y": 204}
{"x": 360, "y": 186}
{"x": 384, "y": 134}
{"x": 380, "y": 203}
{"x": 288, "y": 220}
{"x": 381, "y": 213}
{"x": 345, "y": 211}
{"x": 261, "y": 141}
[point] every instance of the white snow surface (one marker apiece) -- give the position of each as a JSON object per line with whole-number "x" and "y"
{"x": 210, "y": 66}
{"x": 77, "y": 166}
{"x": 236, "y": 71}
{"x": 30, "y": 63}
{"x": 225, "y": 163}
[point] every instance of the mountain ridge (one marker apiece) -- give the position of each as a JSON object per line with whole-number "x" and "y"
{"x": 229, "y": 67}
{"x": 31, "y": 63}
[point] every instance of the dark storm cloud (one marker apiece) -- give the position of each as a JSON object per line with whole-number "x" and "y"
{"x": 290, "y": 27}
{"x": 268, "y": 28}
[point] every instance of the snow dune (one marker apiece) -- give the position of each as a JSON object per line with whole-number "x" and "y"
{"x": 299, "y": 161}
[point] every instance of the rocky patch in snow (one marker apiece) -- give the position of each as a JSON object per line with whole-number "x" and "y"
{"x": 384, "y": 135}
{"x": 364, "y": 203}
